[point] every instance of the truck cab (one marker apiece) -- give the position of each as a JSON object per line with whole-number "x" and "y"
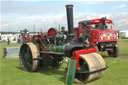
{"x": 101, "y": 34}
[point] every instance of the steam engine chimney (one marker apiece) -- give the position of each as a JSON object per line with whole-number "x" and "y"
{"x": 69, "y": 9}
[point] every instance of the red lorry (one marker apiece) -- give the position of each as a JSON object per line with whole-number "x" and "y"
{"x": 101, "y": 35}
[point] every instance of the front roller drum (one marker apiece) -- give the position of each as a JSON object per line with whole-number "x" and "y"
{"x": 90, "y": 63}
{"x": 29, "y": 57}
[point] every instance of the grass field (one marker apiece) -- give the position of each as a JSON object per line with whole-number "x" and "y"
{"x": 12, "y": 74}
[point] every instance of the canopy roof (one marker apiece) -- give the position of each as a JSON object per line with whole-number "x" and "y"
{"x": 95, "y": 21}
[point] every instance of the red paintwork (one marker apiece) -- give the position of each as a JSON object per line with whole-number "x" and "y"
{"x": 42, "y": 48}
{"x": 52, "y": 32}
{"x": 100, "y": 20}
{"x": 94, "y": 43}
{"x": 97, "y": 35}
{"x": 36, "y": 38}
{"x": 75, "y": 34}
{"x": 77, "y": 53}
{"x": 79, "y": 32}
{"x": 80, "y": 29}
{"x": 43, "y": 44}
{"x": 100, "y": 35}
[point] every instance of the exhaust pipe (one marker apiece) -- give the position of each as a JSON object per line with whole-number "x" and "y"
{"x": 69, "y": 9}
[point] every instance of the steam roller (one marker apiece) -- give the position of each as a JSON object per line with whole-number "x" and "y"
{"x": 91, "y": 65}
{"x": 51, "y": 48}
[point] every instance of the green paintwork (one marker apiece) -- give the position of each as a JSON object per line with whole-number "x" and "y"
{"x": 52, "y": 47}
{"x": 71, "y": 72}
{"x": 33, "y": 39}
{"x": 56, "y": 48}
{"x": 60, "y": 48}
{"x": 58, "y": 37}
{"x": 37, "y": 44}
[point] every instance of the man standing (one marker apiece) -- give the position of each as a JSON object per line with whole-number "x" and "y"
{"x": 8, "y": 41}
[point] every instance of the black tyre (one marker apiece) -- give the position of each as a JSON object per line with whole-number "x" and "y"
{"x": 114, "y": 52}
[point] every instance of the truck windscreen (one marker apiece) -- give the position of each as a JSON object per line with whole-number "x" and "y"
{"x": 100, "y": 26}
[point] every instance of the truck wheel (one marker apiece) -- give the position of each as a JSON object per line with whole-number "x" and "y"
{"x": 114, "y": 52}
{"x": 96, "y": 48}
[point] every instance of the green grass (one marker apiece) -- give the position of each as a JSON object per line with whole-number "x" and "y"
{"x": 12, "y": 74}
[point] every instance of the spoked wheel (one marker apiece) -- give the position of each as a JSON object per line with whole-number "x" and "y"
{"x": 90, "y": 62}
{"x": 29, "y": 57}
{"x": 114, "y": 52}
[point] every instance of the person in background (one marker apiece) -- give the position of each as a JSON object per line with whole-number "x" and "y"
{"x": 8, "y": 41}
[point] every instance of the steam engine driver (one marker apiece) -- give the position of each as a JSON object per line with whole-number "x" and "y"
{"x": 63, "y": 34}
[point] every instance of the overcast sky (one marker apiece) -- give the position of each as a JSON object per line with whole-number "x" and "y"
{"x": 17, "y": 15}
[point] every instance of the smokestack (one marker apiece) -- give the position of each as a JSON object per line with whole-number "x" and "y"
{"x": 69, "y": 9}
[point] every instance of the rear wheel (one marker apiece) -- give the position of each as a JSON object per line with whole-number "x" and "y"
{"x": 114, "y": 52}
{"x": 90, "y": 62}
{"x": 29, "y": 57}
